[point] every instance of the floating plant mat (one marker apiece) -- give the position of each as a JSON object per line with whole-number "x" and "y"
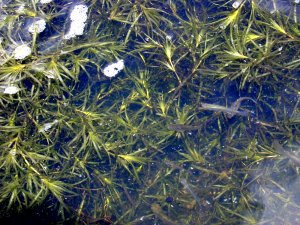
{"x": 149, "y": 112}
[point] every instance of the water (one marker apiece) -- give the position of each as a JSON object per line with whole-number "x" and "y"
{"x": 119, "y": 146}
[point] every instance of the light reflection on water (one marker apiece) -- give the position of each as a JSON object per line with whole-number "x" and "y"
{"x": 287, "y": 7}
{"x": 275, "y": 186}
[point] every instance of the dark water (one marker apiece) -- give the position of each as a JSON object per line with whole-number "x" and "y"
{"x": 142, "y": 147}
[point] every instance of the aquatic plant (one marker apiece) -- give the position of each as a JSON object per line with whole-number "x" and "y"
{"x": 163, "y": 137}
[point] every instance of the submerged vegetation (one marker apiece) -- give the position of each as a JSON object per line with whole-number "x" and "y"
{"x": 201, "y": 126}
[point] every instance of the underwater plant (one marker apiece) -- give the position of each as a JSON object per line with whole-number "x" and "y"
{"x": 149, "y": 112}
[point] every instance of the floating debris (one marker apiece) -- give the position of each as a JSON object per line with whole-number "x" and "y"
{"x": 22, "y": 51}
{"x": 237, "y": 3}
{"x": 45, "y": 1}
{"x": 78, "y": 18}
{"x": 47, "y": 126}
{"x": 10, "y": 90}
{"x": 113, "y": 69}
{"x": 229, "y": 111}
{"x": 37, "y": 26}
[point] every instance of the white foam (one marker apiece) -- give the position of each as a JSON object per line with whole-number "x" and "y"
{"x": 37, "y": 26}
{"x": 11, "y": 90}
{"x": 113, "y": 69}
{"x": 22, "y": 51}
{"x": 45, "y": 1}
{"x": 78, "y": 18}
